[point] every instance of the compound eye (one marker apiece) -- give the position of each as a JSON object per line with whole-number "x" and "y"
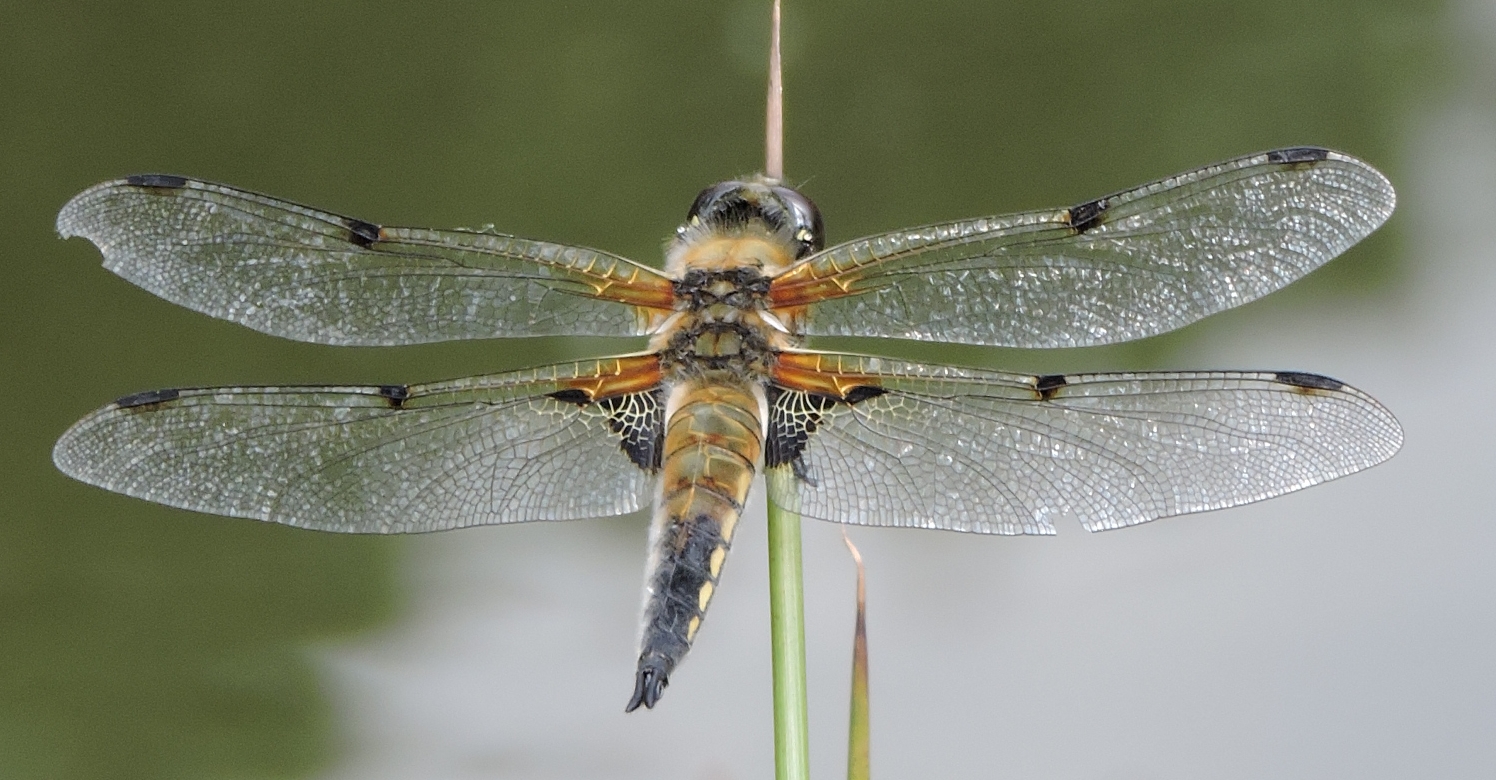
{"x": 805, "y": 220}
{"x": 709, "y": 198}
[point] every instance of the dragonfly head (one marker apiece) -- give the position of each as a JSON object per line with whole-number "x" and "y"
{"x": 781, "y": 210}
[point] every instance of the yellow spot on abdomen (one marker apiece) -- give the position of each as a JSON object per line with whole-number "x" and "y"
{"x": 705, "y": 598}
{"x": 718, "y": 555}
{"x": 691, "y": 628}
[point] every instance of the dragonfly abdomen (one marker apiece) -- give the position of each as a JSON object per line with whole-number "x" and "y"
{"x": 713, "y": 443}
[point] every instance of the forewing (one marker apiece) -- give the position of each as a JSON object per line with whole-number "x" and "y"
{"x": 312, "y": 276}
{"x": 1134, "y": 264}
{"x": 505, "y": 448}
{"x": 969, "y": 450}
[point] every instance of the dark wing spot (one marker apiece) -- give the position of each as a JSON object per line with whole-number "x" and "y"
{"x": 802, "y": 472}
{"x": 147, "y": 398}
{"x": 362, "y": 233}
{"x": 637, "y": 418}
{"x": 572, "y": 396}
{"x": 863, "y": 392}
{"x": 395, "y": 394}
{"x": 1298, "y": 154}
{"x": 1086, "y": 215}
{"x": 1048, "y": 384}
{"x": 161, "y": 180}
{"x": 1308, "y": 381}
{"x": 794, "y": 416}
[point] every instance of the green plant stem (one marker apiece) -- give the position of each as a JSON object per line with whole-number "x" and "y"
{"x": 787, "y": 636}
{"x": 858, "y": 732}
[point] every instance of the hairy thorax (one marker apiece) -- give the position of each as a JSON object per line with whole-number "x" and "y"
{"x": 722, "y": 326}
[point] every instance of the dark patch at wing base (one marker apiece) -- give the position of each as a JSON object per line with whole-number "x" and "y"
{"x": 639, "y": 421}
{"x": 1308, "y": 381}
{"x": 158, "y": 180}
{"x": 637, "y": 418}
{"x": 147, "y": 398}
{"x": 793, "y": 417}
{"x": 1298, "y": 154}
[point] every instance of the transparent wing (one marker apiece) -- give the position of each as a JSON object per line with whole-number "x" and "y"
{"x": 505, "y": 448}
{"x": 1134, "y": 264}
{"x": 968, "y": 450}
{"x": 309, "y": 275}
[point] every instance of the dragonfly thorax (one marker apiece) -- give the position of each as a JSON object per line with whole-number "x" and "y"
{"x": 722, "y": 321}
{"x": 717, "y": 292}
{"x": 739, "y": 346}
{"x": 720, "y": 325}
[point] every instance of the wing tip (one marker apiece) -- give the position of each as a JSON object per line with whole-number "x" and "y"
{"x": 1377, "y": 450}
{"x": 78, "y": 453}
{"x": 1384, "y": 195}
{"x": 70, "y": 215}
{"x": 63, "y": 455}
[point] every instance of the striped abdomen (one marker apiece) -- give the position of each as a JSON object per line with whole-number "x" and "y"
{"x": 713, "y": 441}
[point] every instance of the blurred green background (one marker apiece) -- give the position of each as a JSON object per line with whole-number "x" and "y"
{"x": 140, "y": 641}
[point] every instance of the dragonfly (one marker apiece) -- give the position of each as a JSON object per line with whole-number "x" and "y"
{"x": 727, "y": 387}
